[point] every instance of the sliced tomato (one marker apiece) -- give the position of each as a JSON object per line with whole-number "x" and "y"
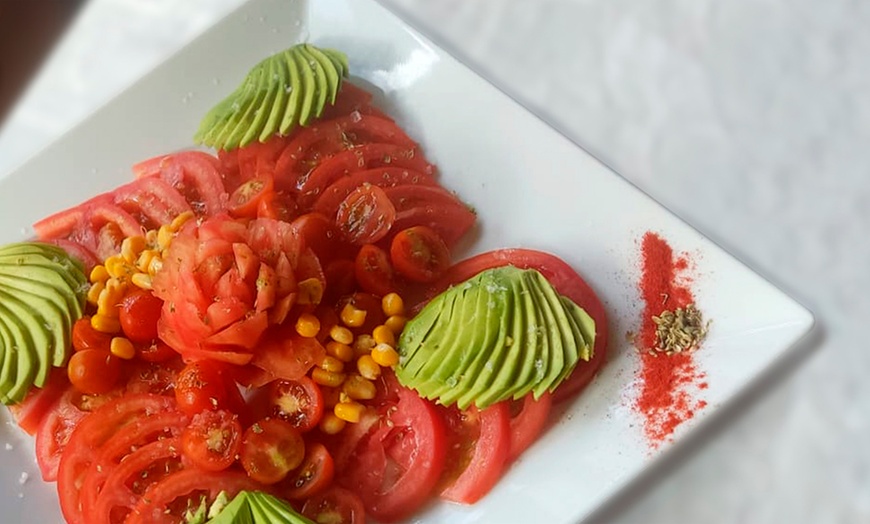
{"x": 373, "y": 270}
{"x": 165, "y": 502}
{"x": 528, "y": 418}
{"x": 351, "y": 98}
{"x": 151, "y": 201}
{"x": 478, "y": 443}
{"x": 212, "y": 440}
{"x": 299, "y": 402}
{"x": 245, "y": 200}
{"x": 84, "y": 336}
{"x": 451, "y": 222}
{"x": 271, "y": 449}
{"x": 78, "y": 252}
{"x": 286, "y": 355}
{"x": 157, "y": 378}
{"x": 54, "y": 432}
{"x": 340, "y": 280}
{"x": 313, "y": 476}
{"x": 318, "y": 233}
{"x": 565, "y": 279}
{"x": 366, "y": 215}
{"x": 39, "y": 402}
{"x": 205, "y": 385}
{"x": 278, "y": 205}
{"x": 155, "y": 351}
{"x": 195, "y": 175}
{"x": 385, "y": 177}
{"x": 419, "y": 254}
{"x": 335, "y": 506}
{"x": 258, "y": 154}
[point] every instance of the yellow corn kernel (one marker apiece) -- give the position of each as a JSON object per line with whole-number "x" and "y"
{"x": 359, "y": 388}
{"x": 105, "y": 324}
{"x": 367, "y": 367}
{"x": 116, "y": 266}
{"x": 342, "y": 352}
{"x": 352, "y": 316}
{"x": 122, "y": 348}
{"x": 363, "y": 345}
{"x": 107, "y": 302}
{"x": 341, "y": 334}
{"x": 385, "y": 355}
{"x": 332, "y": 364}
{"x": 327, "y": 378}
{"x": 141, "y": 280}
{"x": 164, "y": 237}
{"x": 144, "y": 260}
{"x": 179, "y": 221}
{"x": 308, "y": 325}
{"x": 155, "y": 265}
{"x": 349, "y": 411}
{"x": 99, "y": 274}
{"x": 396, "y": 323}
{"x": 331, "y": 424}
{"x": 310, "y": 291}
{"x": 151, "y": 238}
{"x": 94, "y": 292}
{"x": 384, "y": 335}
{"x": 131, "y": 247}
{"x": 392, "y": 304}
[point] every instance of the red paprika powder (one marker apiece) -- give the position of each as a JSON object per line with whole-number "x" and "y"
{"x": 667, "y": 381}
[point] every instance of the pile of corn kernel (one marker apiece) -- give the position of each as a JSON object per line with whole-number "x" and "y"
{"x": 367, "y": 353}
{"x": 141, "y": 257}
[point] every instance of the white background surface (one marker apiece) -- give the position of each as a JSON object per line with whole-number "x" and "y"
{"x": 749, "y": 118}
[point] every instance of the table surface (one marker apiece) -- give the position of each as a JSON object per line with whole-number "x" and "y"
{"x": 748, "y": 118}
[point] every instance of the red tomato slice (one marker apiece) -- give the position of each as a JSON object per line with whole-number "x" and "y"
{"x": 313, "y": 476}
{"x": 39, "y": 402}
{"x": 299, "y": 402}
{"x": 565, "y": 280}
{"x": 528, "y": 418}
{"x": 478, "y": 444}
{"x": 385, "y": 177}
{"x": 451, "y": 222}
{"x": 419, "y": 254}
{"x": 278, "y": 205}
{"x": 335, "y": 506}
{"x": 409, "y": 196}
{"x": 204, "y": 385}
{"x": 157, "y": 378}
{"x": 361, "y": 158}
{"x": 352, "y": 98}
{"x": 340, "y": 280}
{"x": 287, "y": 355}
{"x": 271, "y": 448}
{"x": 373, "y": 270}
{"x": 78, "y": 252}
{"x": 194, "y": 174}
{"x": 395, "y": 469}
{"x": 151, "y": 201}
{"x": 166, "y": 501}
{"x": 318, "y": 233}
{"x": 245, "y": 200}
{"x": 54, "y": 432}
{"x": 212, "y": 440}
{"x": 366, "y": 215}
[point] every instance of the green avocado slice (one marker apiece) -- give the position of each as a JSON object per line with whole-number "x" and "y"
{"x": 479, "y": 374}
{"x": 69, "y": 287}
{"x": 432, "y": 343}
{"x": 321, "y": 83}
{"x": 586, "y": 325}
{"x": 268, "y": 509}
{"x": 238, "y": 511}
{"x": 339, "y": 59}
{"x": 532, "y": 334}
{"x": 333, "y": 74}
{"x": 279, "y": 103}
{"x": 246, "y": 122}
{"x": 295, "y": 98}
{"x": 64, "y": 267}
{"x": 218, "y": 116}
{"x": 571, "y": 345}
{"x": 57, "y": 318}
{"x": 43, "y": 343}
{"x": 8, "y": 360}
{"x": 239, "y": 107}
{"x": 574, "y": 314}
{"x": 24, "y": 372}
{"x": 264, "y": 107}
{"x": 309, "y": 87}
{"x": 413, "y": 338}
{"x": 553, "y": 330}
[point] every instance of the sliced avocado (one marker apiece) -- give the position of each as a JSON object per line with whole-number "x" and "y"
{"x": 552, "y": 328}
{"x": 24, "y": 372}
{"x": 413, "y": 337}
{"x": 586, "y": 325}
{"x": 279, "y": 103}
{"x": 239, "y": 107}
{"x": 339, "y": 59}
{"x": 268, "y": 509}
{"x": 332, "y": 73}
{"x": 43, "y": 342}
{"x": 542, "y": 356}
{"x": 583, "y": 349}
{"x": 218, "y": 116}
{"x": 532, "y": 333}
{"x": 8, "y": 360}
{"x": 430, "y": 345}
{"x": 70, "y": 287}
{"x": 65, "y": 267}
{"x": 247, "y": 118}
{"x": 516, "y": 350}
{"x": 52, "y": 312}
{"x": 309, "y": 87}
{"x": 238, "y": 511}
{"x": 479, "y": 375}
{"x": 264, "y": 107}
{"x": 321, "y": 83}
{"x": 296, "y": 95}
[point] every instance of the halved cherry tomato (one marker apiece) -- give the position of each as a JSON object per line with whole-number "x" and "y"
{"x": 313, "y": 476}
{"x": 366, "y": 215}
{"x": 278, "y": 205}
{"x": 271, "y": 448}
{"x": 93, "y": 371}
{"x": 299, "y": 402}
{"x": 419, "y": 254}
{"x": 335, "y": 506}
{"x": 155, "y": 351}
{"x": 140, "y": 311}
{"x": 84, "y": 336}
{"x": 212, "y": 440}
{"x": 204, "y": 385}
{"x": 528, "y": 418}
{"x": 373, "y": 270}
{"x": 245, "y": 200}
{"x": 385, "y": 177}
{"x": 318, "y": 232}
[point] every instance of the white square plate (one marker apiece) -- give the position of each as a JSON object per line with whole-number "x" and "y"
{"x": 531, "y": 187}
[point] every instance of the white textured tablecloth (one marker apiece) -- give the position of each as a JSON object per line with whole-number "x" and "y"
{"x": 749, "y": 118}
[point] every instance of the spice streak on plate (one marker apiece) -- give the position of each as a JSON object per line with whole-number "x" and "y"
{"x": 671, "y": 329}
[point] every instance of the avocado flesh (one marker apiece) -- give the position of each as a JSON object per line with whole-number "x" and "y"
{"x": 66, "y": 268}
{"x": 279, "y": 102}
{"x": 428, "y": 346}
{"x": 485, "y": 367}
{"x": 586, "y": 324}
{"x": 309, "y": 87}
{"x": 531, "y": 336}
{"x": 264, "y": 107}
{"x": 339, "y": 59}
{"x": 290, "y": 118}
{"x": 254, "y": 507}
{"x": 50, "y": 330}
{"x": 244, "y": 118}
{"x": 321, "y": 83}
{"x": 412, "y": 339}
{"x": 454, "y": 351}
{"x": 332, "y": 73}
{"x": 8, "y": 359}
{"x": 577, "y": 316}
{"x": 22, "y": 346}
{"x": 545, "y": 295}
{"x": 238, "y": 511}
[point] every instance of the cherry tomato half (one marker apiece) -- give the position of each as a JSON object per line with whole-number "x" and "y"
{"x": 271, "y": 448}
{"x": 139, "y": 314}
{"x": 93, "y": 371}
{"x": 335, "y": 505}
{"x": 419, "y": 254}
{"x": 212, "y": 440}
{"x": 299, "y": 402}
{"x": 314, "y": 475}
{"x": 203, "y": 385}
{"x": 245, "y": 200}
{"x": 84, "y": 336}
{"x": 366, "y": 215}
{"x": 155, "y": 350}
{"x": 373, "y": 270}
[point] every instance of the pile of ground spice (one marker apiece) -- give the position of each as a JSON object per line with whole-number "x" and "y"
{"x": 668, "y": 379}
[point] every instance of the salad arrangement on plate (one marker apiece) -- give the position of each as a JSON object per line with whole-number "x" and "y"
{"x": 278, "y": 332}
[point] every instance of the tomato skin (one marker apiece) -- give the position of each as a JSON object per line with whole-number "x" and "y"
{"x": 93, "y": 371}
{"x": 271, "y": 448}
{"x": 155, "y": 351}
{"x": 39, "y": 402}
{"x": 313, "y": 476}
{"x": 212, "y": 440}
{"x": 54, "y": 433}
{"x": 245, "y": 200}
{"x": 139, "y": 313}
{"x": 299, "y": 402}
{"x": 366, "y": 215}
{"x": 419, "y": 254}
{"x": 373, "y": 270}
{"x": 526, "y": 425}
{"x": 84, "y": 336}
{"x": 203, "y": 385}
{"x": 336, "y": 505}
